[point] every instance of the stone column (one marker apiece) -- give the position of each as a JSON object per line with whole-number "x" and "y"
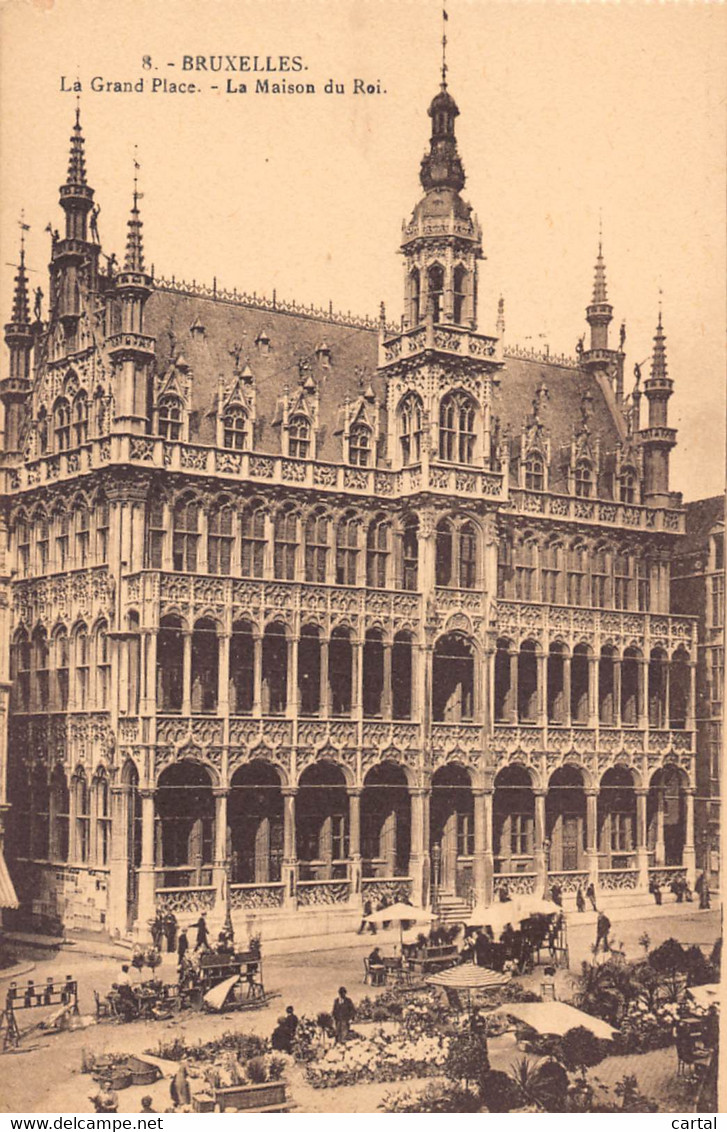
{"x": 642, "y": 851}
{"x": 617, "y": 692}
{"x": 289, "y": 871}
{"x": 354, "y": 843}
{"x": 356, "y": 677}
{"x": 386, "y": 692}
{"x": 540, "y": 861}
{"x": 291, "y": 697}
{"x": 187, "y": 675}
{"x": 419, "y": 866}
{"x": 483, "y": 843}
{"x": 223, "y": 681}
{"x": 688, "y": 854}
{"x": 592, "y": 691}
{"x": 220, "y": 869}
{"x": 512, "y": 695}
{"x": 147, "y": 877}
{"x": 643, "y": 707}
{"x": 541, "y": 662}
{"x": 567, "y": 719}
{"x": 592, "y": 836}
{"x": 324, "y": 693}
{"x": 119, "y": 863}
{"x": 692, "y": 702}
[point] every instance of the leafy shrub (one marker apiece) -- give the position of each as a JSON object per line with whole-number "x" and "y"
{"x": 543, "y": 1084}
{"x": 467, "y": 1059}
{"x": 699, "y": 970}
{"x": 580, "y": 1049}
{"x": 244, "y": 1046}
{"x": 632, "y": 1100}
{"x": 499, "y": 1093}
{"x": 716, "y": 958}
{"x": 276, "y": 1067}
{"x": 257, "y": 1070}
{"x": 668, "y": 958}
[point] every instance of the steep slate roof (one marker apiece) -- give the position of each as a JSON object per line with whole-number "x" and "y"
{"x": 702, "y": 517}
{"x": 293, "y": 336}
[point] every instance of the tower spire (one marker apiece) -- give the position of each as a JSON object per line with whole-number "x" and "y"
{"x": 21, "y": 307}
{"x": 77, "y": 157}
{"x": 599, "y": 312}
{"x": 445, "y": 17}
{"x": 134, "y": 260}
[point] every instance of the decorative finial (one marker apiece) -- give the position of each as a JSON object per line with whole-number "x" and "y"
{"x": 23, "y": 229}
{"x": 500, "y": 316}
{"x": 134, "y": 260}
{"x": 445, "y": 17}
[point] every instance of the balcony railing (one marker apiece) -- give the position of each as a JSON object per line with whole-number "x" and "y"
{"x": 632, "y": 516}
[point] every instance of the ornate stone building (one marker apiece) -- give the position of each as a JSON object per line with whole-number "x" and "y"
{"x": 698, "y": 589}
{"x": 308, "y": 609}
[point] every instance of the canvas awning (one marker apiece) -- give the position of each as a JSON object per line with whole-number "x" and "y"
{"x": 8, "y": 898}
{"x": 555, "y": 1018}
{"x": 468, "y": 977}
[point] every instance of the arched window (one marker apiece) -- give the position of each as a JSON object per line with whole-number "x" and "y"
{"x": 43, "y": 431}
{"x": 577, "y": 560}
{"x": 80, "y": 418}
{"x": 155, "y": 533}
{"x": 410, "y": 429}
{"x": 373, "y": 674}
{"x": 42, "y": 541}
{"x": 40, "y": 814}
{"x": 234, "y": 428}
{"x": 20, "y": 672}
{"x": 286, "y": 543}
{"x": 607, "y": 685}
{"x": 584, "y": 479}
{"x": 627, "y": 485}
{"x": 347, "y": 550}
{"x": 62, "y": 424}
{"x": 317, "y": 537}
{"x": 185, "y": 534}
{"x": 340, "y": 671}
{"x": 556, "y": 702}
{"x": 299, "y": 437}
{"x": 62, "y": 524}
{"x": 359, "y": 446}
{"x": 457, "y": 428}
{"x": 643, "y": 584}
{"x": 253, "y": 543}
{"x": 460, "y": 292}
{"x": 534, "y": 473}
{"x": 41, "y": 665}
{"x": 444, "y": 554}
{"x": 401, "y": 676}
{"x": 102, "y": 799}
{"x": 551, "y": 572}
{"x": 205, "y": 666}
{"x": 467, "y": 554}
{"x": 453, "y": 680}
{"x": 435, "y": 279}
{"x": 59, "y": 807}
{"x": 599, "y": 578}
{"x": 377, "y": 552}
{"x": 275, "y": 670}
{"x": 103, "y": 667}
{"x": 170, "y": 664}
{"x": 82, "y": 669}
{"x": 60, "y": 649}
{"x": 679, "y": 690}
{"x": 22, "y": 547}
{"x": 242, "y": 668}
{"x": 83, "y": 533}
{"x": 630, "y": 687}
{"x": 309, "y": 670}
{"x": 220, "y": 539}
{"x": 410, "y": 553}
{"x": 579, "y": 685}
{"x": 82, "y": 808}
{"x": 658, "y": 680}
{"x": 170, "y": 417}
{"x": 505, "y": 682}
{"x": 415, "y": 292}
{"x": 525, "y": 556}
{"x": 621, "y": 580}
{"x": 102, "y": 529}
{"x": 527, "y": 683}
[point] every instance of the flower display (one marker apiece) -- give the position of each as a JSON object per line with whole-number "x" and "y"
{"x": 380, "y": 1057}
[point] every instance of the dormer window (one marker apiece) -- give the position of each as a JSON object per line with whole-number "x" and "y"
{"x": 170, "y": 418}
{"x": 234, "y": 429}
{"x": 263, "y": 342}
{"x": 323, "y": 353}
{"x": 359, "y": 446}
{"x": 627, "y": 486}
{"x": 457, "y": 429}
{"x": 299, "y": 437}
{"x": 584, "y": 479}
{"x": 534, "y": 474}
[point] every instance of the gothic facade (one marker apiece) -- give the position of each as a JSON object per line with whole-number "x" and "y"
{"x": 307, "y": 609}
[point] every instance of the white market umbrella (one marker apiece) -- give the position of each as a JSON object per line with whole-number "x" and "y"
{"x": 555, "y": 1018}
{"x": 401, "y": 913}
{"x": 468, "y": 977}
{"x": 496, "y": 916}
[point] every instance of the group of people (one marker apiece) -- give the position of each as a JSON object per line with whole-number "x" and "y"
{"x": 164, "y": 927}
{"x": 679, "y": 886}
{"x": 284, "y": 1033}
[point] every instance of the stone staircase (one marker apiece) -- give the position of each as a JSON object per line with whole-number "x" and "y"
{"x": 452, "y": 909}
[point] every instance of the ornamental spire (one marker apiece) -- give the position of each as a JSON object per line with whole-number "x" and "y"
{"x": 599, "y": 279}
{"x": 21, "y": 307}
{"x": 134, "y": 260}
{"x": 658, "y": 358}
{"x": 77, "y": 158}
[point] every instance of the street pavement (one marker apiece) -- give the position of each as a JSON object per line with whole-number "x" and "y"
{"x": 45, "y": 1075}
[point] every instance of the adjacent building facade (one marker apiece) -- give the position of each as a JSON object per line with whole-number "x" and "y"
{"x": 698, "y": 589}
{"x": 308, "y": 610}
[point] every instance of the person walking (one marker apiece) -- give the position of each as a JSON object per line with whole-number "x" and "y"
{"x": 655, "y": 890}
{"x": 367, "y": 910}
{"x": 170, "y": 931}
{"x": 591, "y": 894}
{"x": 182, "y": 947}
{"x": 702, "y": 889}
{"x": 343, "y": 1013}
{"x": 291, "y": 1021}
{"x": 203, "y": 938}
{"x": 556, "y": 894}
{"x": 157, "y": 931}
{"x": 580, "y": 899}
{"x": 179, "y": 1086}
{"x": 603, "y": 927}
{"x": 677, "y": 889}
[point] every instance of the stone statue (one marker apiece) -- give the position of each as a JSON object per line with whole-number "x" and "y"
{"x": 622, "y": 336}
{"x": 95, "y": 211}
{"x": 580, "y": 345}
{"x": 637, "y": 373}
{"x": 37, "y": 305}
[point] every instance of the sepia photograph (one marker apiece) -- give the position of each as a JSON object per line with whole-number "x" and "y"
{"x": 362, "y": 500}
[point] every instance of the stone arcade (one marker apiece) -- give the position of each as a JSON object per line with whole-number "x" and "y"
{"x": 351, "y": 611}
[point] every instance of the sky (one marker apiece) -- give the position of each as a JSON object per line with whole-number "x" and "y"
{"x": 569, "y": 112}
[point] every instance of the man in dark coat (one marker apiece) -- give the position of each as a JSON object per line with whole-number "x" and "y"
{"x": 591, "y": 894}
{"x": 580, "y": 900}
{"x": 182, "y": 947}
{"x": 603, "y": 927}
{"x": 170, "y": 931}
{"x": 367, "y": 910}
{"x": 655, "y": 890}
{"x": 702, "y": 889}
{"x": 343, "y": 1013}
{"x": 203, "y": 939}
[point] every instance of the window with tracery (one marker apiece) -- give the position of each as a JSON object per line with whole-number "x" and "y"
{"x": 62, "y": 424}
{"x": 156, "y": 533}
{"x": 253, "y": 543}
{"x": 347, "y": 551}
{"x": 220, "y": 540}
{"x": 377, "y": 552}
{"x": 359, "y": 446}
{"x": 627, "y": 486}
{"x": 185, "y": 535}
{"x": 80, "y": 418}
{"x": 457, "y": 428}
{"x": 234, "y": 429}
{"x": 534, "y": 473}
{"x": 317, "y": 538}
{"x": 286, "y": 544}
{"x": 170, "y": 417}
{"x": 584, "y": 479}
{"x": 299, "y": 437}
{"x": 410, "y": 429}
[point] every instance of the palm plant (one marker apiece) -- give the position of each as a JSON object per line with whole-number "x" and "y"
{"x": 544, "y": 1083}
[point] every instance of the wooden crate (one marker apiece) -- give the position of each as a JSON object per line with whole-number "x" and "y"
{"x": 271, "y": 1096}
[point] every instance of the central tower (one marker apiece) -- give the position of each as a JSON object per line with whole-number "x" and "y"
{"x": 442, "y": 242}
